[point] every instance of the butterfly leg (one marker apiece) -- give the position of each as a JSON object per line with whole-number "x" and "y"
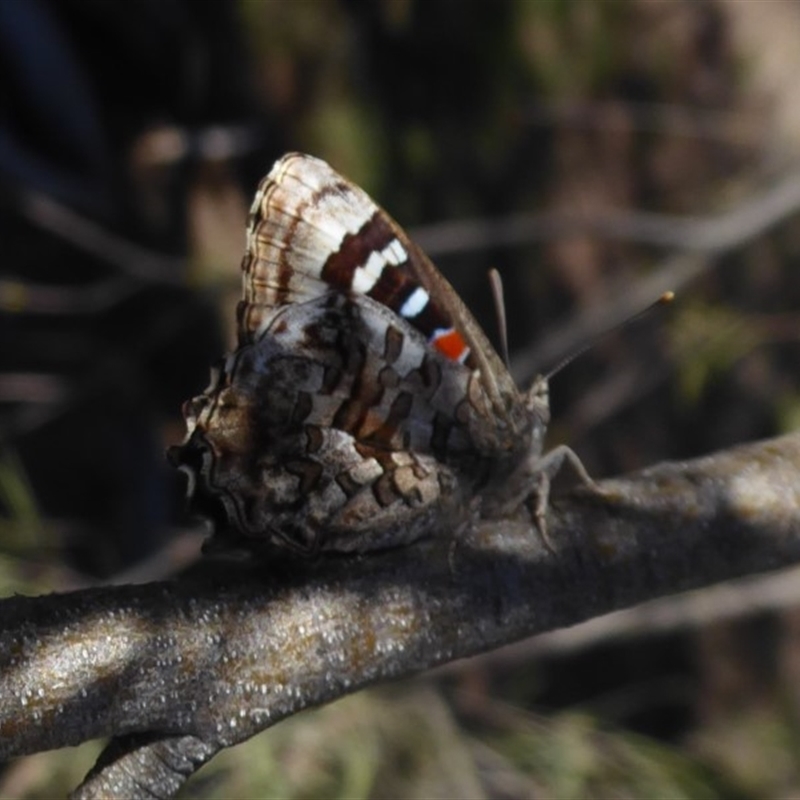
{"x": 537, "y": 506}
{"x": 545, "y": 469}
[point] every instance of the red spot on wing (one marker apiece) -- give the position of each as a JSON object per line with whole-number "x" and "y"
{"x": 451, "y": 345}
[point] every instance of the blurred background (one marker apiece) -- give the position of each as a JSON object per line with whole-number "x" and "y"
{"x": 596, "y": 153}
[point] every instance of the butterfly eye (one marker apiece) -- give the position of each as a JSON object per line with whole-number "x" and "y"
{"x": 537, "y": 399}
{"x": 540, "y": 390}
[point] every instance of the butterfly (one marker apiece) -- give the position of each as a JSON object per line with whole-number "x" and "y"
{"x": 364, "y": 407}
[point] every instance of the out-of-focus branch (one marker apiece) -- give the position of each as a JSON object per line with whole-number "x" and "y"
{"x": 670, "y": 119}
{"x": 128, "y": 257}
{"x": 178, "y": 670}
{"x": 709, "y": 234}
{"x": 698, "y": 242}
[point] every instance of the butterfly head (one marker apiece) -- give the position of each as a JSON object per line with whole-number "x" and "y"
{"x": 537, "y": 402}
{"x": 537, "y": 399}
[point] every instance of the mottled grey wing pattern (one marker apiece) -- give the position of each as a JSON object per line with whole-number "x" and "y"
{"x": 335, "y": 429}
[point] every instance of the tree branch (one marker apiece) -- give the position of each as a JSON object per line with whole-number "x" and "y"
{"x": 178, "y": 670}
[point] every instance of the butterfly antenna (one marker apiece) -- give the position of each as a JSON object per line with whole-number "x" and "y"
{"x": 665, "y": 298}
{"x": 496, "y": 282}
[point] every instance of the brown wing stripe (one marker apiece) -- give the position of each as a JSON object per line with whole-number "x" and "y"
{"x": 392, "y": 345}
{"x": 354, "y": 251}
{"x": 399, "y": 412}
{"x": 396, "y": 283}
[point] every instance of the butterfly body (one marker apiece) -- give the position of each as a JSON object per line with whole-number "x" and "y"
{"x": 364, "y": 407}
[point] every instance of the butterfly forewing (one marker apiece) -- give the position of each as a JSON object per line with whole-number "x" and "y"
{"x": 311, "y": 230}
